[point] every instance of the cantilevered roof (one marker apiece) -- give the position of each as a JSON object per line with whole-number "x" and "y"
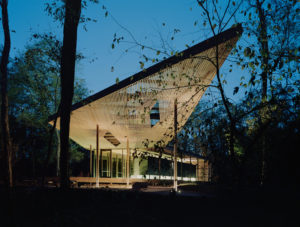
{"x": 141, "y": 107}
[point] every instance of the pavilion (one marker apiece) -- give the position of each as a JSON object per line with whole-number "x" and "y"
{"x": 127, "y": 125}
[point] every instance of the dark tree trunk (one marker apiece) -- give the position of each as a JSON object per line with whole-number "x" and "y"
{"x": 49, "y": 151}
{"x": 264, "y": 48}
{"x": 264, "y": 51}
{"x": 6, "y": 140}
{"x": 181, "y": 157}
{"x": 225, "y": 103}
{"x": 73, "y": 11}
{"x": 232, "y": 128}
{"x": 57, "y": 153}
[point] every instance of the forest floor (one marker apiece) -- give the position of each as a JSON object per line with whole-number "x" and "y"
{"x": 33, "y": 206}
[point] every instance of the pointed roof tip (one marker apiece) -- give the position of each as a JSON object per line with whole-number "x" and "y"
{"x": 235, "y": 31}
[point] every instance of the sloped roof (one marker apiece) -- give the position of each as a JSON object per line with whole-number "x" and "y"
{"x": 126, "y": 108}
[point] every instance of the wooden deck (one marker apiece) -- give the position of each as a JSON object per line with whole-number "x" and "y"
{"x": 106, "y": 180}
{"x": 55, "y": 180}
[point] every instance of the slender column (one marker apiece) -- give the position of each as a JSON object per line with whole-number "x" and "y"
{"x": 107, "y": 166}
{"x": 91, "y": 160}
{"x": 198, "y": 170}
{"x": 58, "y": 153}
{"x": 175, "y": 145}
{"x": 197, "y": 166}
{"x": 123, "y": 175}
{"x": 117, "y": 166}
{"x": 94, "y": 161}
{"x": 111, "y": 164}
{"x": 204, "y": 171}
{"x": 101, "y": 163}
{"x": 128, "y": 163}
{"x": 93, "y": 165}
{"x": 181, "y": 172}
{"x": 97, "y": 156}
{"x": 190, "y": 172}
{"x": 209, "y": 171}
{"x": 159, "y": 166}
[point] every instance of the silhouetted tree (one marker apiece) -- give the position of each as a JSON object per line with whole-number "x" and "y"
{"x": 34, "y": 94}
{"x": 6, "y": 144}
{"x": 271, "y": 58}
{"x": 72, "y": 16}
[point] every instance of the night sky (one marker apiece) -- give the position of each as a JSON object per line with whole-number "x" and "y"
{"x": 148, "y": 21}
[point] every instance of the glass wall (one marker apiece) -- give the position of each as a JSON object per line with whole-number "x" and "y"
{"x": 112, "y": 163}
{"x": 166, "y": 168}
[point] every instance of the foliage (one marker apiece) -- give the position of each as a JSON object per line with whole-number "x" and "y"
{"x": 56, "y": 9}
{"x": 261, "y": 125}
{"x": 207, "y": 134}
{"x": 237, "y": 136}
{"x": 34, "y": 94}
{"x": 272, "y": 49}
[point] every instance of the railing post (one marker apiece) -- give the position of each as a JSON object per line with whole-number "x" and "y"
{"x": 97, "y": 156}
{"x": 91, "y": 161}
{"x": 175, "y": 145}
{"x": 128, "y": 163}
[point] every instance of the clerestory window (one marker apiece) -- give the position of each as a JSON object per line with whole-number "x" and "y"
{"x": 154, "y": 114}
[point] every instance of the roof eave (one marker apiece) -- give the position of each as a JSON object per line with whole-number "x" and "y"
{"x": 198, "y": 48}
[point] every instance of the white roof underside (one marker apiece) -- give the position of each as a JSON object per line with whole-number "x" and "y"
{"x": 126, "y": 112}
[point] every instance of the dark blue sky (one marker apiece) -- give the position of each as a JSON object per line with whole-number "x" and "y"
{"x": 143, "y": 18}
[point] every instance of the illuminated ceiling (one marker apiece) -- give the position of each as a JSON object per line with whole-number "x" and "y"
{"x": 141, "y": 107}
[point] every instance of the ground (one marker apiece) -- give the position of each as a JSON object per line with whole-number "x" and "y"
{"x": 31, "y": 206}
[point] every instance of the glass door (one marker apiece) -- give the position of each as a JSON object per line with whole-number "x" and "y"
{"x": 105, "y": 163}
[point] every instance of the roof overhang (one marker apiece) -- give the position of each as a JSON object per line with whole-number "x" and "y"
{"x": 123, "y": 110}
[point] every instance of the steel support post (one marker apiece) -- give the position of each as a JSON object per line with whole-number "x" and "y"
{"x": 175, "y": 146}
{"x": 97, "y": 156}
